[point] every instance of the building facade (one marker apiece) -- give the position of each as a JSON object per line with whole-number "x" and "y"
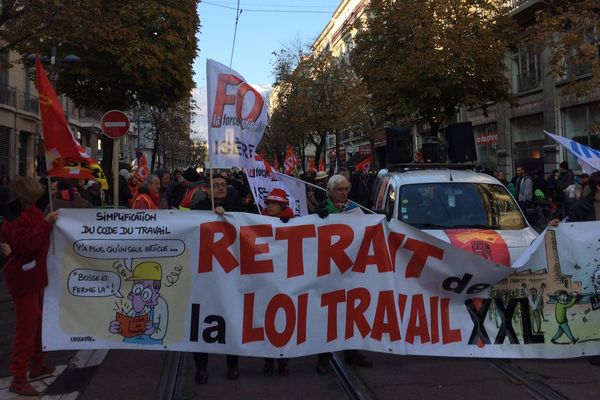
{"x": 508, "y": 136}
{"x": 21, "y": 139}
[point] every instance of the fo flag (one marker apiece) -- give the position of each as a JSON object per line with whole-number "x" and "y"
{"x": 587, "y": 158}
{"x": 237, "y": 117}
{"x": 63, "y": 158}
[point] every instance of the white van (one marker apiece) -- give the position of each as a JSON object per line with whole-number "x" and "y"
{"x": 446, "y": 202}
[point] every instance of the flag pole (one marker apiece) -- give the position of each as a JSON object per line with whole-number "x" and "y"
{"x": 115, "y": 168}
{"x": 50, "y": 203}
{"x": 320, "y": 188}
{"x": 210, "y": 177}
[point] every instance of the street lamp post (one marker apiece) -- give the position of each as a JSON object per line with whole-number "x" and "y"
{"x": 66, "y": 60}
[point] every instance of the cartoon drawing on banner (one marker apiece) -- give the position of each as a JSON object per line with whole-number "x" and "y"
{"x": 564, "y": 301}
{"x": 567, "y": 291}
{"x": 122, "y": 289}
{"x": 147, "y": 319}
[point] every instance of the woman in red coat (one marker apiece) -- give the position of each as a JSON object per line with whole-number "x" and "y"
{"x": 26, "y": 277}
{"x": 277, "y": 206}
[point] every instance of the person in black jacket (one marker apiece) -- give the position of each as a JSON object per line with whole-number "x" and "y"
{"x": 588, "y": 208}
{"x": 225, "y": 200}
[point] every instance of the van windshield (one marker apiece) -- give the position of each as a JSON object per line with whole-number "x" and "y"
{"x": 459, "y": 206}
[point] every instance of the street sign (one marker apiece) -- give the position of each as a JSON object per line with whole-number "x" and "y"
{"x": 114, "y": 124}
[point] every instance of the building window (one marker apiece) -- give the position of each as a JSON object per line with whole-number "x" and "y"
{"x": 528, "y": 139}
{"x": 526, "y": 71}
{"x": 582, "y": 124}
{"x": 4, "y": 61}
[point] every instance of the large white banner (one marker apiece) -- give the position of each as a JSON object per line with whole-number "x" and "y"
{"x": 237, "y": 116}
{"x": 587, "y": 158}
{"x": 253, "y": 285}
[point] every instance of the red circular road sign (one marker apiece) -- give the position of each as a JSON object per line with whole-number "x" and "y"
{"x": 114, "y": 124}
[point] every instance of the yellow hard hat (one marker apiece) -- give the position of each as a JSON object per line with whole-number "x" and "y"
{"x": 146, "y": 271}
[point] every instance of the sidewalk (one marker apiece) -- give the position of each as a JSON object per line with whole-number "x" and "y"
{"x": 7, "y": 329}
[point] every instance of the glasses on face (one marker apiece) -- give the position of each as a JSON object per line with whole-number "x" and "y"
{"x": 139, "y": 290}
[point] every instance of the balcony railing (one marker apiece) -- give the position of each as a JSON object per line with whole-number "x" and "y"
{"x": 8, "y": 96}
{"x": 29, "y": 103}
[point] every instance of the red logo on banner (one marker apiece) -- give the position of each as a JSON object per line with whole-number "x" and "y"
{"x": 485, "y": 243}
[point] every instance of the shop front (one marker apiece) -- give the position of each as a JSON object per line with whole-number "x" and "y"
{"x": 486, "y": 145}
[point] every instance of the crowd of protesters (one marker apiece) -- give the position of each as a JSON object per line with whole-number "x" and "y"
{"x": 29, "y": 210}
{"x": 552, "y": 196}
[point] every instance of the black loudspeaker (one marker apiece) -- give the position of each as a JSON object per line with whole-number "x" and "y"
{"x": 461, "y": 142}
{"x": 398, "y": 146}
{"x": 433, "y": 151}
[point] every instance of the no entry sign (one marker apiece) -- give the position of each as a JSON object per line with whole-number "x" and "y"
{"x": 114, "y": 124}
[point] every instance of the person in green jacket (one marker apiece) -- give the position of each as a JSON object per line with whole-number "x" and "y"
{"x": 511, "y": 188}
{"x": 564, "y": 301}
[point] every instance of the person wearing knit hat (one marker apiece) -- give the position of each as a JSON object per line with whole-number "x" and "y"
{"x": 191, "y": 175}
{"x": 125, "y": 174}
{"x": 195, "y": 193}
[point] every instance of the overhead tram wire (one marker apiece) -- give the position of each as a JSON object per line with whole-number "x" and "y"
{"x": 272, "y": 10}
{"x": 238, "y": 12}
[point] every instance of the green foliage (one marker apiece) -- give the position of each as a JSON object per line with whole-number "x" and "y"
{"x": 571, "y": 30}
{"x": 132, "y": 52}
{"x": 427, "y": 58}
{"x": 316, "y": 94}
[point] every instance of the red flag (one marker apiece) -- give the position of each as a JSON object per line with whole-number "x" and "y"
{"x": 276, "y": 163}
{"x": 322, "y": 165}
{"x": 365, "y": 165}
{"x": 141, "y": 172}
{"x": 291, "y": 161}
{"x": 63, "y": 158}
{"x": 311, "y": 166}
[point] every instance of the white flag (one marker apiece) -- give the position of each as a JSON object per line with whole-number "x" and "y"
{"x": 587, "y": 158}
{"x": 237, "y": 116}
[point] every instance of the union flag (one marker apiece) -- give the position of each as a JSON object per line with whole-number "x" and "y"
{"x": 64, "y": 158}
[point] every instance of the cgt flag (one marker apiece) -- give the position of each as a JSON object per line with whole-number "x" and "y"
{"x": 63, "y": 157}
{"x": 291, "y": 161}
{"x": 365, "y": 165}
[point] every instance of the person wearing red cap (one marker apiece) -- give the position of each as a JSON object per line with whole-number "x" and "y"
{"x": 277, "y": 206}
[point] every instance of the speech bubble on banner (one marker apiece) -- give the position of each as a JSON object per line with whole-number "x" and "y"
{"x": 128, "y": 249}
{"x": 94, "y": 283}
